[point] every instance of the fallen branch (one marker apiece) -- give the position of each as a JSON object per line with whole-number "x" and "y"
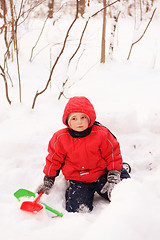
{"x": 142, "y": 34}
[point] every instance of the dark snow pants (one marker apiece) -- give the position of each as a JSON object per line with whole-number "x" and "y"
{"x": 80, "y": 195}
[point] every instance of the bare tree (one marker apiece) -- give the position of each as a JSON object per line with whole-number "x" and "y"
{"x": 11, "y": 19}
{"x": 80, "y": 41}
{"x": 103, "y": 44}
{"x": 114, "y": 21}
{"x": 63, "y": 47}
{"x": 14, "y": 38}
{"x": 10, "y": 37}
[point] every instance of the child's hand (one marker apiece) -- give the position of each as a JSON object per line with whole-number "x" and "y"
{"x": 46, "y": 186}
{"x": 112, "y": 179}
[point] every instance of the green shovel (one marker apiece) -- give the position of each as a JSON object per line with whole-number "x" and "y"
{"x": 26, "y": 193}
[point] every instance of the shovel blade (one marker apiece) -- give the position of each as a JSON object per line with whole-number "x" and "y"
{"x": 31, "y": 207}
{"x": 23, "y": 193}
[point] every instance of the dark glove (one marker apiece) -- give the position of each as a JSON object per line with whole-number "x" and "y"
{"x": 112, "y": 179}
{"x": 47, "y": 184}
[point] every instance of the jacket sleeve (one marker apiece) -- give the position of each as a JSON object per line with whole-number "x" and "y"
{"x": 55, "y": 157}
{"x": 110, "y": 150}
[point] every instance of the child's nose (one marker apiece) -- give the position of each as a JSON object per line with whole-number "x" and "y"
{"x": 79, "y": 120}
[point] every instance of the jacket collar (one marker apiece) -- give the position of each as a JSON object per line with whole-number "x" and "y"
{"x": 82, "y": 134}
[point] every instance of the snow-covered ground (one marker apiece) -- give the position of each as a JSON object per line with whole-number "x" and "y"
{"x": 126, "y": 99}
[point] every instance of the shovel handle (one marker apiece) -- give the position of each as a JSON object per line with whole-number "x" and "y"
{"x": 38, "y": 197}
{"x": 52, "y": 210}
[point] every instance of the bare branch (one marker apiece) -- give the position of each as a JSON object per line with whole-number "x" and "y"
{"x": 142, "y": 34}
{"x": 38, "y": 39}
{"x": 67, "y": 34}
{"x": 5, "y": 81}
{"x": 80, "y": 41}
{"x": 6, "y": 30}
{"x": 18, "y": 69}
{"x": 108, "y": 5}
{"x": 7, "y": 73}
{"x": 28, "y": 11}
{"x": 57, "y": 59}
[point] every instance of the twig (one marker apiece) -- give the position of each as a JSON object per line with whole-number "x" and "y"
{"x": 18, "y": 69}
{"x": 28, "y": 11}
{"x": 7, "y": 73}
{"x": 16, "y": 50}
{"x": 80, "y": 41}
{"x": 38, "y": 39}
{"x": 62, "y": 93}
{"x": 79, "y": 58}
{"x": 110, "y": 4}
{"x": 142, "y": 34}
{"x": 5, "y": 81}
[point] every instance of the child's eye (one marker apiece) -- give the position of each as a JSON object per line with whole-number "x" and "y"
{"x": 74, "y": 118}
{"x": 83, "y": 117}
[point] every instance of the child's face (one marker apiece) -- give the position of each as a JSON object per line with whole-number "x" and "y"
{"x": 79, "y": 122}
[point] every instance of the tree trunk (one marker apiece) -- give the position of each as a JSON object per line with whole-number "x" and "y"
{"x": 6, "y": 28}
{"x": 103, "y": 43}
{"x": 81, "y": 7}
{"x": 50, "y": 8}
{"x": 113, "y": 32}
{"x": 12, "y": 23}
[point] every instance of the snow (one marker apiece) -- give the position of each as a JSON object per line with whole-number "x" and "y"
{"x": 126, "y": 98}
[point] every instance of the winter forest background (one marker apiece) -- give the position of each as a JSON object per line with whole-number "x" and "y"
{"x": 18, "y": 17}
{"x": 108, "y": 51}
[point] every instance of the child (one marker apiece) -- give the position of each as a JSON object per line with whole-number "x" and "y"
{"x": 88, "y": 155}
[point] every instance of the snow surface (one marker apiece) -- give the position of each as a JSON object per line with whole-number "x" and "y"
{"x": 126, "y": 99}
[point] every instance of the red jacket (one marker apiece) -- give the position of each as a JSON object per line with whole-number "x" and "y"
{"x": 82, "y": 159}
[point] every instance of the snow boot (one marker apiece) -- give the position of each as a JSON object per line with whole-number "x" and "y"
{"x": 127, "y": 167}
